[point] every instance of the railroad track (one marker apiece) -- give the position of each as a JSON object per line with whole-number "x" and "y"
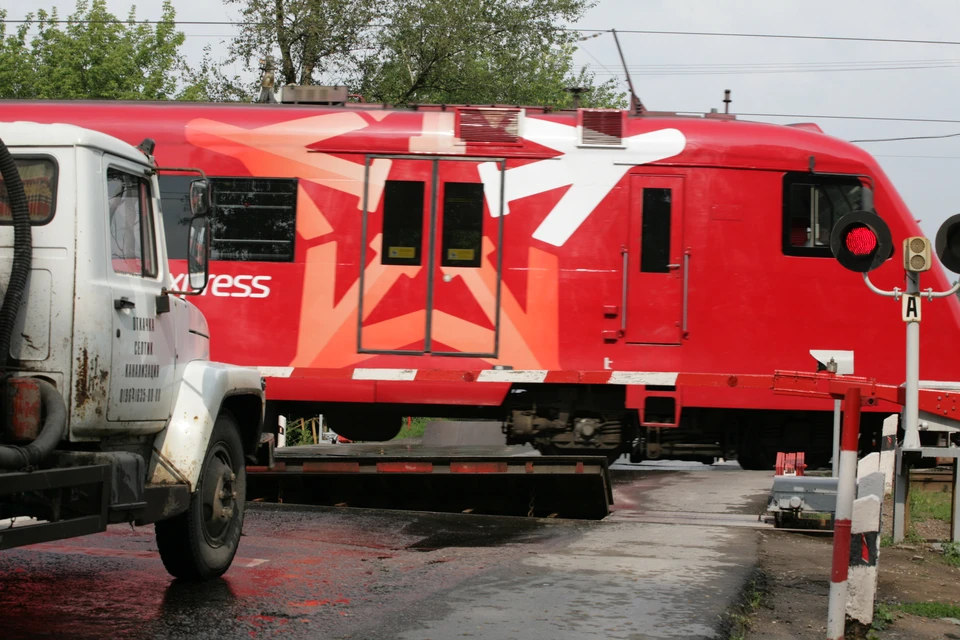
{"x": 931, "y": 480}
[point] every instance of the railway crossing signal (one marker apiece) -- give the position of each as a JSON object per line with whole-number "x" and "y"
{"x": 948, "y": 243}
{"x": 916, "y": 254}
{"x": 861, "y": 241}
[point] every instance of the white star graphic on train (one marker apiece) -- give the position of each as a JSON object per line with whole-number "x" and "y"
{"x": 590, "y": 172}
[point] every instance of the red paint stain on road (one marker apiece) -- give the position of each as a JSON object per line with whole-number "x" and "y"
{"x": 309, "y": 603}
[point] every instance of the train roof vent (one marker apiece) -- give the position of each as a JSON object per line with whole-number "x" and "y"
{"x": 602, "y": 127}
{"x": 313, "y": 94}
{"x": 489, "y": 125}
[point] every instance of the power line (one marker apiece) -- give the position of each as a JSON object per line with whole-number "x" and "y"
{"x": 839, "y": 117}
{"x": 917, "y": 157}
{"x": 786, "y": 69}
{"x": 948, "y": 135}
{"x": 654, "y": 32}
{"x": 785, "y": 36}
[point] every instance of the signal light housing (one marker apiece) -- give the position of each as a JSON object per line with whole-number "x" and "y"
{"x": 861, "y": 241}
{"x": 948, "y": 243}
{"x": 916, "y": 254}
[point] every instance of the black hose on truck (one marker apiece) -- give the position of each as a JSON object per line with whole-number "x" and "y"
{"x": 14, "y": 457}
{"x": 22, "y": 249}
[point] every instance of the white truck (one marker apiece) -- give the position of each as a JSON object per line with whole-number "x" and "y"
{"x": 111, "y": 409}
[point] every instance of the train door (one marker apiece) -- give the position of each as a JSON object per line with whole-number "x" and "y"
{"x": 654, "y": 262}
{"x": 430, "y": 269}
{"x": 464, "y": 317}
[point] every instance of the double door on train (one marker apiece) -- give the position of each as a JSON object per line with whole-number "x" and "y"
{"x": 430, "y": 257}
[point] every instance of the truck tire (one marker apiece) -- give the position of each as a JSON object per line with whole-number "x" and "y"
{"x": 200, "y": 543}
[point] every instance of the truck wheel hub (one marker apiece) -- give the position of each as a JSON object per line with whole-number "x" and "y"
{"x": 219, "y": 495}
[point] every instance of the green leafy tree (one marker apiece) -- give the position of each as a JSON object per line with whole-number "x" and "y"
{"x": 402, "y": 51}
{"x": 480, "y": 51}
{"x": 94, "y": 55}
{"x": 312, "y": 36}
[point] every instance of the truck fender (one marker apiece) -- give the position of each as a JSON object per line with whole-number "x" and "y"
{"x": 179, "y": 449}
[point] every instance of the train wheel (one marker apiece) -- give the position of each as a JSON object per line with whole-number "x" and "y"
{"x": 200, "y": 543}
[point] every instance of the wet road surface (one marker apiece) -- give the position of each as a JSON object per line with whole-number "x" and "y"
{"x": 665, "y": 564}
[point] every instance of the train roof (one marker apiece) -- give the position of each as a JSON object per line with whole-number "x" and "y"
{"x": 711, "y": 139}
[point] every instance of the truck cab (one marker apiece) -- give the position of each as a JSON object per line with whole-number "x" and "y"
{"x": 112, "y": 411}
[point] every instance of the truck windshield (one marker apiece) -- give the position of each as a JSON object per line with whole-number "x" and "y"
{"x": 39, "y": 176}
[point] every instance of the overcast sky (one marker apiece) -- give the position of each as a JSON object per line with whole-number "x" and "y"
{"x": 923, "y": 171}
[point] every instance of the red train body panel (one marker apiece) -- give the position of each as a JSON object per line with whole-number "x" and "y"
{"x": 663, "y": 244}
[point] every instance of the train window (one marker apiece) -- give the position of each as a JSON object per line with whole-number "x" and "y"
{"x": 655, "y": 231}
{"x": 39, "y": 177}
{"x": 175, "y": 202}
{"x": 402, "y": 222}
{"x": 132, "y": 243}
{"x": 462, "y": 224}
{"x": 811, "y": 206}
{"x": 252, "y": 220}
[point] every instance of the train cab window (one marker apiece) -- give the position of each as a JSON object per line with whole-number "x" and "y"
{"x": 655, "y": 231}
{"x": 252, "y": 219}
{"x": 402, "y": 223}
{"x": 811, "y": 206}
{"x": 462, "y": 224}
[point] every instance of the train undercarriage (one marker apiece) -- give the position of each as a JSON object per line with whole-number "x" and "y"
{"x": 593, "y": 420}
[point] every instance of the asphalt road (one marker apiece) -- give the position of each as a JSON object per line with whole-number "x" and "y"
{"x": 666, "y": 564}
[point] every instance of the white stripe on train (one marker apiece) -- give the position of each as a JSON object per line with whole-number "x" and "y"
{"x": 490, "y": 375}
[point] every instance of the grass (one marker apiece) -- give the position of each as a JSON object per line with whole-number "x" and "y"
{"x": 415, "y": 429}
{"x": 931, "y": 609}
{"x": 741, "y": 617}
{"x": 951, "y": 554}
{"x": 930, "y": 505}
{"x": 883, "y": 616}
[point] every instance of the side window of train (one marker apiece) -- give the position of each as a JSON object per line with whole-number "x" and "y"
{"x": 252, "y": 220}
{"x": 655, "y": 230}
{"x": 812, "y": 204}
{"x": 402, "y": 223}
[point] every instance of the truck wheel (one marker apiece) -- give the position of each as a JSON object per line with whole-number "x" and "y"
{"x": 200, "y": 543}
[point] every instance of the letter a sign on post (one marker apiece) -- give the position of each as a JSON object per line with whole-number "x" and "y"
{"x": 911, "y": 307}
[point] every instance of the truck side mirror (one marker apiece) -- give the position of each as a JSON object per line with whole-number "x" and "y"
{"x": 200, "y": 197}
{"x": 198, "y": 252}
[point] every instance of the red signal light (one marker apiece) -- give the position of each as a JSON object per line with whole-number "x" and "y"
{"x": 861, "y": 241}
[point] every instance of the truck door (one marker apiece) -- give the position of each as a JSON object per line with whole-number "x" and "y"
{"x": 143, "y": 356}
{"x": 430, "y": 262}
{"x": 654, "y": 263}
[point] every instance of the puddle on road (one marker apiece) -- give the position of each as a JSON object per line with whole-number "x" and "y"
{"x": 492, "y": 533}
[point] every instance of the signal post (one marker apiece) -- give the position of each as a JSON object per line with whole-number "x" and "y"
{"x": 861, "y": 242}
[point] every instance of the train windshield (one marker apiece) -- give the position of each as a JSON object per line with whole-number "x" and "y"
{"x": 812, "y": 206}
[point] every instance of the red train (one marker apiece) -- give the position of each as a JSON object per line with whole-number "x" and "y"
{"x": 368, "y": 259}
